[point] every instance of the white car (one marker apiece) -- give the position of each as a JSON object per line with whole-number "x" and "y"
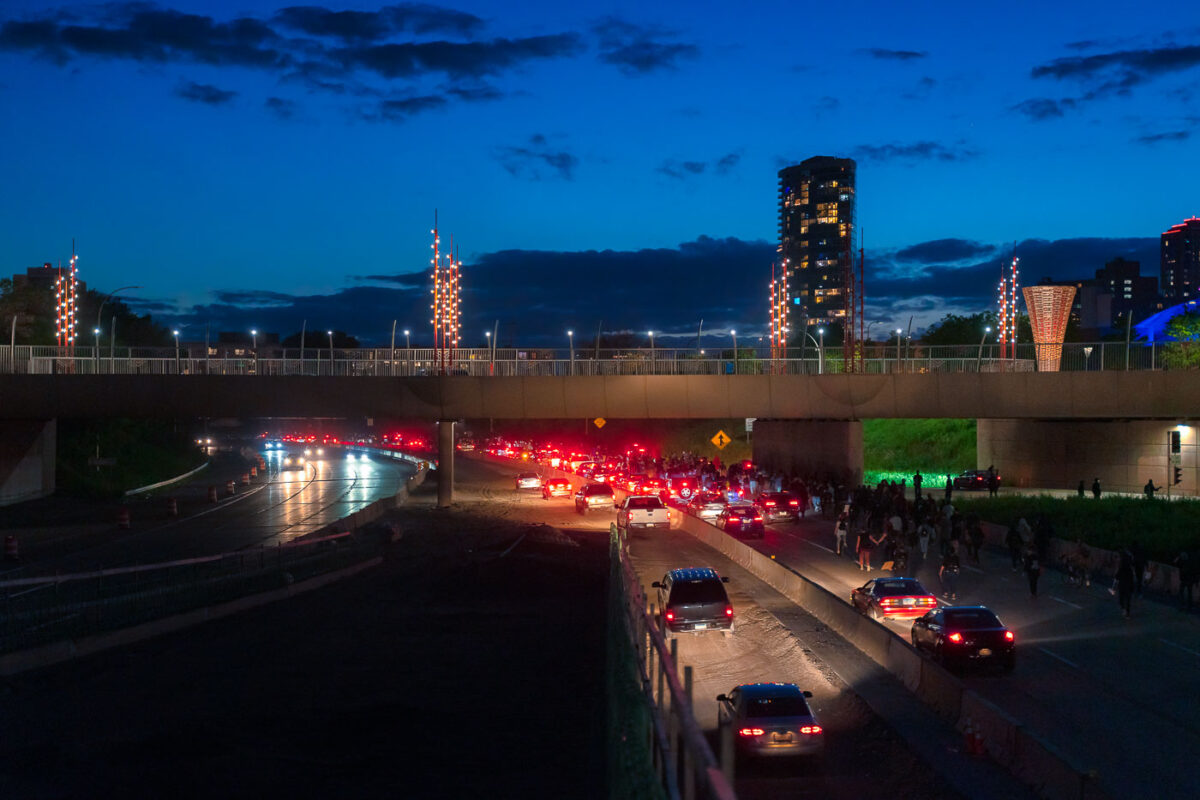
{"x": 529, "y": 480}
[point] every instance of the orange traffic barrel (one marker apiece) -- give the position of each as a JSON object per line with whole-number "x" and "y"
{"x": 123, "y": 518}
{"x": 172, "y": 507}
{"x": 254, "y": 472}
{"x": 11, "y": 553}
{"x": 245, "y": 479}
{"x": 230, "y": 487}
{"x": 212, "y": 494}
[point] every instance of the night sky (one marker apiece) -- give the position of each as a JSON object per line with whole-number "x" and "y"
{"x": 251, "y": 164}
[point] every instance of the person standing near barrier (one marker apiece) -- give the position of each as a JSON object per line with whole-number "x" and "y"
{"x": 1081, "y": 489}
{"x": 948, "y": 572}
{"x": 949, "y": 489}
{"x": 1033, "y": 569}
{"x": 917, "y": 485}
{"x": 863, "y": 549}
{"x": 1125, "y": 581}
{"x": 1096, "y": 488}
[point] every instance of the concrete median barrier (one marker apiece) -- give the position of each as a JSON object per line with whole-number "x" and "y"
{"x": 904, "y": 662}
{"x": 998, "y": 729}
{"x": 940, "y": 690}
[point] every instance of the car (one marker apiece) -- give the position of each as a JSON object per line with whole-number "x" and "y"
{"x": 973, "y": 479}
{"x": 586, "y": 469}
{"x": 556, "y": 487}
{"x": 652, "y": 487}
{"x": 741, "y": 520}
{"x": 595, "y": 496}
{"x": 707, "y": 505}
{"x": 962, "y": 635}
{"x": 694, "y": 599}
{"x": 772, "y": 719}
{"x": 632, "y": 482}
{"x": 778, "y": 505}
{"x": 683, "y": 487}
{"x": 528, "y": 480}
{"x": 881, "y": 598}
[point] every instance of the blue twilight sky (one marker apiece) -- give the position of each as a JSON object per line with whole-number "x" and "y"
{"x": 252, "y": 163}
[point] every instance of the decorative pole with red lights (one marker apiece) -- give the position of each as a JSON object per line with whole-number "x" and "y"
{"x": 445, "y": 305}
{"x": 778, "y": 312}
{"x": 65, "y": 302}
{"x": 1007, "y": 335}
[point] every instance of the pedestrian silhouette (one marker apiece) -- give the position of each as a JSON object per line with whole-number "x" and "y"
{"x": 1096, "y": 488}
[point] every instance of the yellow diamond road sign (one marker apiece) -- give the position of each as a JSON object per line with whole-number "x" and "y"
{"x": 720, "y": 440}
{"x": 599, "y": 422}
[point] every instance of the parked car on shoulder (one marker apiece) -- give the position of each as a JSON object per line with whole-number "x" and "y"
{"x": 959, "y": 636}
{"x": 771, "y": 719}
{"x": 880, "y": 598}
{"x": 973, "y": 479}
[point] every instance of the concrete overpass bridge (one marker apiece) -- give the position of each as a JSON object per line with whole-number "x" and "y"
{"x": 1039, "y": 429}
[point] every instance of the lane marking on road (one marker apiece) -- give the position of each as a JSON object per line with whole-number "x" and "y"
{"x": 1066, "y": 661}
{"x": 1181, "y": 647}
{"x": 1066, "y": 602}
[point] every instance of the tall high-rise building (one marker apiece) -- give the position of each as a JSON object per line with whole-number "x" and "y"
{"x": 1180, "y": 253}
{"x": 816, "y": 234}
{"x": 1130, "y": 290}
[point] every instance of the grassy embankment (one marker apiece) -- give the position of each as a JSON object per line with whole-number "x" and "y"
{"x": 146, "y": 452}
{"x": 894, "y": 449}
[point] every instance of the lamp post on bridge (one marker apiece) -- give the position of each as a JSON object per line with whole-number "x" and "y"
{"x": 821, "y": 352}
{"x": 899, "y": 332}
{"x": 254, "y": 341}
{"x": 733, "y": 333}
{"x": 175, "y": 333}
{"x": 95, "y": 348}
{"x": 571, "y": 345}
{"x": 113, "y": 338}
{"x": 979, "y": 358}
{"x": 330, "y": 352}
{"x": 653, "y": 358}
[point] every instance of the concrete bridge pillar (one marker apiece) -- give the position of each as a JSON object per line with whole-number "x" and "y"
{"x": 1058, "y": 454}
{"x": 809, "y": 446}
{"x": 27, "y": 459}
{"x": 445, "y": 463}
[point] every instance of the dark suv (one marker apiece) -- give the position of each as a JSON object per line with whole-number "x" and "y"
{"x": 778, "y": 505}
{"x": 694, "y": 599}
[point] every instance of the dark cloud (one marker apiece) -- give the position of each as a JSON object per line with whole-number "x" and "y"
{"x": 369, "y": 26}
{"x": 687, "y": 169}
{"x": 1169, "y": 136}
{"x": 530, "y": 160}
{"x": 1044, "y": 108}
{"x": 284, "y": 109}
{"x": 204, "y": 93}
{"x": 921, "y": 90}
{"x": 402, "y": 279}
{"x": 398, "y": 110}
{"x": 913, "y": 151}
{"x": 254, "y": 298}
{"x": 894, "y": 55}
{"x": 1116, "y": 73}
{"x": 637, "y": 49}
{"x": 941, "y": 251}
{"x": 457, "y": 59}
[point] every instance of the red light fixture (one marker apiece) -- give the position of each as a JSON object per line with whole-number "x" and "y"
{"x": 810, "y": 729}
{"x": 729, "y": 611}
{"x": 1008, "y": 636}
{"x": 670, "y": 615}
{"x": 751, "y": 732}
{"x": 956, "y": 638}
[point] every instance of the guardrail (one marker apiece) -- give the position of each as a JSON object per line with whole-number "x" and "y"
{"x": 678, "y": 754}
{"x": 511, "y": 362}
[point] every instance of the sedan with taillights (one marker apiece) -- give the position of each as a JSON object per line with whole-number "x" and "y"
{"x": 962, "y": 635}
{"x": 529, "y": 480}
{"x": 595, "y": 496}
{"x": 707, "y": 505}
{"x": 741, "y": 520}
{"x": 893, "y": 597}
{"x": 556, "y": 487}
{"x": 771, "y": 719}
{"x": 777, "y": 505}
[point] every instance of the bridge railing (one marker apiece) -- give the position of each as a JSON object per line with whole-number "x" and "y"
{"x": 908, "y": 357}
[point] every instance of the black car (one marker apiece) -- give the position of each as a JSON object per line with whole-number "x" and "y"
{"x": 974, "y": 479}
{"x": 694, "y": 599}
{"x": 741, "y": 521}
{"x": 777, "y": 505}
{"x": 962, "y": 635}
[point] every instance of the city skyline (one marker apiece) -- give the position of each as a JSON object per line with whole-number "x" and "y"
{"x": 263, "y": 163}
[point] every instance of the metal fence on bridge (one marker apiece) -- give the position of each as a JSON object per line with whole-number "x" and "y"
{"x": 508, "y": 362}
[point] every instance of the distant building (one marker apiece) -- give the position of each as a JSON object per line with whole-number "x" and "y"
{"x": 43, "y": 277}
{"x": 1131, "y": 291}
{"x": 816, "y": 233}
{"x": 1180, "y": 261}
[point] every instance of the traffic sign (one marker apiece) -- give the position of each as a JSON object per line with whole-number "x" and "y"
{"x": 599, "y": 422}
{"x": 720, "y": 440}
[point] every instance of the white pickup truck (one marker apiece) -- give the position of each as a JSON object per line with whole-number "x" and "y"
{"x": 643, "y": 512}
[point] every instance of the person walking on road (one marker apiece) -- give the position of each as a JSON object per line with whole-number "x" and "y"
{"x": 993, "y": 481}
{"x": 1096, "y": 488}
{"x": 1014, "y": 543}
{"x": 840, "y": 530}
{"x": 1033, "y": 569}
{"x": 949, "y": 489}
{"x": 924, "y": 534}
{"x": 1124, "y": 582}
{"x": 864, "y": 549}
{"x": 948, "y": 572}
{"x": 917, "y": 485}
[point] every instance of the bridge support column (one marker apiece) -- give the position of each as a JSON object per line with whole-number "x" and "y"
{"x": 445, "y": 463}
{"x": 1123, "y": 454}
{"x": 27, "y": 459}
{"x": 809, "y": 446}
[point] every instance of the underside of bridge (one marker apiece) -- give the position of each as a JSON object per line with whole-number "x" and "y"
{"x": 27, "y": 459}
{"x": 810, "y": 447}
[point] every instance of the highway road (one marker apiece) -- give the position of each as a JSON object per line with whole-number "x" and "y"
{"x": 281, "y": 506}
{"x": 866, "y": 756}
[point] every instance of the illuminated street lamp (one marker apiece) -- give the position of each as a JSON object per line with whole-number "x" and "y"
{"x": 95, "y": 347}
{"x": 571, "y": 344}
{"x": 821, "y": 351}
{"x": 175, "y": 333}
{"x": 653, "y": 357}
{"x": 733, "y": 333}
{"x": 979, "y": 358}
{"x": 899, "y": 332}
{"x": 330, "y": 351}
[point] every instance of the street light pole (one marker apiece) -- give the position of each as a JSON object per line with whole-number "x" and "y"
{"x": 821, "y": 351}
{"x": 95, "y": 348}
{"x": 899, "y": 332}
{"x": 653, "y": 357}
{"x": 733, "y": 333}
{"x": 99, "y": 313}
{"x": 175, "y": 333}
{"x": 393, "y": 358}
{"x": 571, "y": 345}
{"x": 491, "y": 359}
{"x": 979, "y": 358}
{"x": 254, "y": 339}
{"x": 330, "y": 352}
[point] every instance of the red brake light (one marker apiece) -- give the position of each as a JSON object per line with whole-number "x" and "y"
{"x": 758, "y": 519}
{"x": 729, "y": 611}
{"x": 670, "y": 615}
{"x": 810, "y": 729}
{"x": 887, "y": 601}
{"x": 793, "y": 502}
{"x": 751, "y": 732}
{"x": 956, "y": 637}
{"x": 769, "y": 503}
{"x": 1008, "y": 636}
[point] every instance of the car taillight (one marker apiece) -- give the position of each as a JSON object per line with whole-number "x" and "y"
{"x": 810, "y": 729}
{"x": 758, "y": 519}
{"x": 928, "y": 601}
{"x": 793, "y": 502}
{"x": 956, "y": 637}
{"x": 751, "y": 732}
{"x": 729, "y": 611}
{"x": 887, "y": 601}
{"x": 769, "y": 503}
{"x": 670, "y": 615}
{"x": 735, "y": 520}
{"x": 1008, "y": 636}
